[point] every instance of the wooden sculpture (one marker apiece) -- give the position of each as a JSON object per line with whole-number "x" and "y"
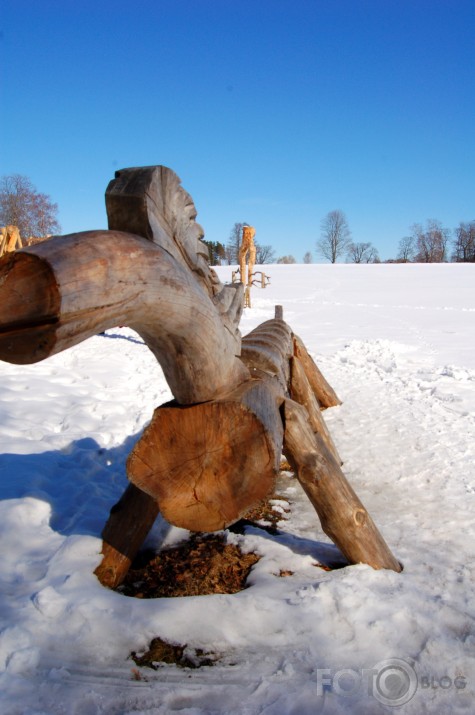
{"x": 10, "y": 239}
{"x": 214, "y": 451}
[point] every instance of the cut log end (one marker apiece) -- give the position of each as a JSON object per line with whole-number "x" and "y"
{"x": 201, "y": 462}
{"x": 29, "y": 308}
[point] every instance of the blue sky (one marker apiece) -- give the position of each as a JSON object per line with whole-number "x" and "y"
{"x": 272, "y": 112}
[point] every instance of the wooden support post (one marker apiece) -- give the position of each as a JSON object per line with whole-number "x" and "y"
{"x": 343, "y": 517}
{"x": 129, "y": 522}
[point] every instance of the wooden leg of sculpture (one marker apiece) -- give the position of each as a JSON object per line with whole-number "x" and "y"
{"x": 129, "y": 522}
{"x": 343, "y": 517}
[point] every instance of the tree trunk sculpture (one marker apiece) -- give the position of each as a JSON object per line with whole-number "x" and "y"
{"x": 214, "y": 451}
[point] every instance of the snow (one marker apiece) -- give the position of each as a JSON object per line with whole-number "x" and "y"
{"x": 397, "y": 343}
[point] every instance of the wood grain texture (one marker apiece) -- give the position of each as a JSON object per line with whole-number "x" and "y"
{"x": 58, "y": 293}
{"x": 207, "y": 464}
{"x": 301, "y": 392}
{"x": 323, "y": 391}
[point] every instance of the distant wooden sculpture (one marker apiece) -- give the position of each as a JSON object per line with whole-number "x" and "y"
{"x": 214, "y": 451}
{"x": 247, "y": 251}
{"x": 10, "y": 239}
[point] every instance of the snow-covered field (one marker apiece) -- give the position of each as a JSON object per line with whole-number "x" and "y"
{"x": 397, "y": 343}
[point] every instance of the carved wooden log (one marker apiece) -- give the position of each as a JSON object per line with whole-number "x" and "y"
{"x": 150, "y": 202}
{"x": 10, "y": 239}
{"x": 207, "y": 464}
{"x": 207, "y": 458}
{"x": 343, "y": 517}
{"x": 55, "y": 294}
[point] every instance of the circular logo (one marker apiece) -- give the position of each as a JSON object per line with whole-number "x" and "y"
{"x": 395, "y": 682}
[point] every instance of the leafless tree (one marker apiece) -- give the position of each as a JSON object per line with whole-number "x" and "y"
{"x": 23, "y": 206}
{"x": 308, "y": 258}
{"x": 407, "y": 249}
{"x": 286, "y": 259}
{"x": 234, "y": 242}
{"x": 431, "y": 242}
{"x": 335, "y": 236}
{"x": 264, "y": 254}
{"x": 362, "y": 253}
{"x": 464, "y": 243}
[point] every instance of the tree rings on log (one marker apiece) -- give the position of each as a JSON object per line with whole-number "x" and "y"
{"x": 207, "y": 464}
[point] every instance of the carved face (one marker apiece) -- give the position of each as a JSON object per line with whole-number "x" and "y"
{"x": 248, "y": 233}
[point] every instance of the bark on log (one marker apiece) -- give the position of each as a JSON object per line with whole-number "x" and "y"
{"x": 58, "y": 293}
{"x": 343, "y": 517}
{"x": 324, "y": 393}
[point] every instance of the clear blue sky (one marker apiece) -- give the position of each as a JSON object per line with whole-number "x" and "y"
{"x": 272, "y": 112}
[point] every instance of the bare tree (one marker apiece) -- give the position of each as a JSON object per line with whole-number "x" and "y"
{"x": 335, "y": 236}
{"x": 407, "y": 249}
{"x": 23, "y": 206}
{"x": 308, "y": 258}
{"x": 234, "y": 242}
{"x": 264, "y": 254}
{"x": 286, "y": 259}
{"x": 362, "y": 253}
{"x": 464, "y": 243}
{"x": 431, "y": 243}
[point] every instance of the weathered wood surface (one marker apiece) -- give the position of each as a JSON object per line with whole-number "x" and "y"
{"x": 58, "y": 293}
{"x": 207, "y": 464}
{"x": 322, "y": 390}
{"x": 342, "y": 515}
{"x": 126, "y": 529}
{"x": 301, "y": 392}
{"x": 151, "y": 202}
